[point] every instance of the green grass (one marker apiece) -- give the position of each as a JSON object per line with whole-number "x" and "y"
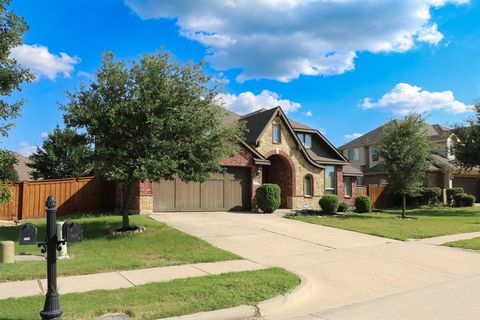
{"x": 160, "y": 245}
{"x": 473, "y": 244}
{"x": 163, "y": 299}
{"x": 430, "y": 222}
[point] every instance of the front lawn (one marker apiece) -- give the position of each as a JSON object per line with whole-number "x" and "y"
{"x": 430, "y": 222}
{"x": 164, "y": 299}
{"x": 466, "y": 244}
{"x": 160, "y": 245}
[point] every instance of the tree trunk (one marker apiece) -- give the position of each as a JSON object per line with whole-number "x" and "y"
{"x": 126, "y": 206}
{"x": 404, "y": 206}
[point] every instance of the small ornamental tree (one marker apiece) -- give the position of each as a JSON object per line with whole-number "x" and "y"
{"x": 467, "y": 146}
{"x": 64, "y": 154}
{"x": 151, "y": 119}
{"x": 7, "y": 166}
{"x": 405, "y": 149}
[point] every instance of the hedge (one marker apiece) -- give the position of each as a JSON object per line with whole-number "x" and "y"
{"x": 329, "y": 204}
{"x": 363, "y": 204}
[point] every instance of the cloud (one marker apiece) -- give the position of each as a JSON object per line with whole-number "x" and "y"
{"x": 354, "y": 135}
{"x": 405, "y": 98}
{"x": 26, "y": 149}
{"x": 44, "y": 134}
{"x": 284, "y": 39}
{"x": 43, "y": 63}
{"x": 307, "y": 114}
{"x": 85, "y": 74}
{"x": 247, "y": 102}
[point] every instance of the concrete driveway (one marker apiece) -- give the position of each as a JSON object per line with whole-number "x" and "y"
{"x": 345, "y": 275}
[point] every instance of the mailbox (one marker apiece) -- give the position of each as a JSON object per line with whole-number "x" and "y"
{"x": 28, "y": 234}
{"x": 72, "y": 232}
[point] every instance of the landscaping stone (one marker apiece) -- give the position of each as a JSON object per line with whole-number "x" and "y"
{"x": 28, "y": 257}
{"x": 128, "y": 232}
{"x": 114, "y": 316}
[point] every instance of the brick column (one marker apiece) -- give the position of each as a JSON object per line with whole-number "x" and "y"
{"x": 340, "y": 185}
{"x": 145, "y": 205}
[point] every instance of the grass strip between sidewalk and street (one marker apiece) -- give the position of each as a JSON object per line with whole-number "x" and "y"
{"x": 163, "y": 299}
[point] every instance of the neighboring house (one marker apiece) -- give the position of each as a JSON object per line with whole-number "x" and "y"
{"x": 363, "y": 155}
{"x": 276, "y": 150}
{"x": 21, "y": 167}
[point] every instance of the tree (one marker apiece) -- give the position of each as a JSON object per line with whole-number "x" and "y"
{"x": 151, "y": 119}
{"x": 467, "y": 146}
{"x": 12, "y": 75}
{"x": 405, "y": 150}
{"x": 7, "y": 166}
{"x": 64, "y": 154}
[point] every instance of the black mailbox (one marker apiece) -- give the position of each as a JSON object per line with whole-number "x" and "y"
{"x": 28, "y": 234}
{"x": 72, "y": 232}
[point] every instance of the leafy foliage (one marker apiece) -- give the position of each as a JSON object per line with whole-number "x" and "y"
{"x": 152, "y": 119}
{"x": 64, "y": 154}
{"x": 463, "y": 200}
{"x": 405, "y": 149}
{"x": 7, "y": 169}
{"x": 363, "y": 204}
{"x": 5, "y": 193}
{"x": 467, "y": 147}
{"x": 452, "y": 192}
{"x": 342, "y": 207}
{"x": 268, "y": 197}
{"x": 329, "y": 203}
{"x": 12, "y": 75}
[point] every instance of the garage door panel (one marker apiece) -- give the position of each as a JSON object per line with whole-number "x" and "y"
{"x": 213, "y": 194}
{"x": 164, "y": 195}
{"x": 470, "y": 185}
{"x": 187, "y": 195}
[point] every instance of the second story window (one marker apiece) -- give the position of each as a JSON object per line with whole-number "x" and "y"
{"x": 353, "y": 154}
{"x": 276, "y": 134}
{"x": 375, "y": 156}
{"x": 305, "y": 139}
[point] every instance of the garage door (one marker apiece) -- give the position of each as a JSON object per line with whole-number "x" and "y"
{"x": 470, "y": 185}
{"x": 229, "y": 191}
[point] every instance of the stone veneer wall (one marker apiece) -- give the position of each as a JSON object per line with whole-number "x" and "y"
{"x": 301, "y": 166}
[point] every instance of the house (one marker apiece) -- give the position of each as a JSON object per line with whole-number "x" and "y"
{"x": 363, "y": 155}
{"x": 276, "y": 150}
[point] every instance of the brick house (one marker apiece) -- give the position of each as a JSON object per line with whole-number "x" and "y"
{"x": 276, "y": 150}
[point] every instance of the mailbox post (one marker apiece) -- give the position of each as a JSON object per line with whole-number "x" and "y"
{"x": 72, "y": 232}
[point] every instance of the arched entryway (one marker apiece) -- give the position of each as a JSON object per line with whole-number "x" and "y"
{"x": 280, "y": 172}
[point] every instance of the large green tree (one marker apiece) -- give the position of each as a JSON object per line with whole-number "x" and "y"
{"x": 467, "y": 146}
{"x": 12, "y": 75}
{"x": 150, "y": 119}
{"x": 405, "y": 149}
{"x": 64, "y": 154}
{"x": 7, "y": 166}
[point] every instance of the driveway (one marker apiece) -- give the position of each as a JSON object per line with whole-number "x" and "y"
{"x": 345, "y": 275}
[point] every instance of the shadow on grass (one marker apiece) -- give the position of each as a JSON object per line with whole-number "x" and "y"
{"x": 440, "y": 212}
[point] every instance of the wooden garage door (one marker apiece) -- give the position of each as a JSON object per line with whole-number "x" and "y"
{"x": 228, "y": 191}
{"x": 470, "y": 185}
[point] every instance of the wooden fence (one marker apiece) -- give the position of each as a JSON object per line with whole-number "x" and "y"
{"x": 380, "y": 196}
{"x": 359, "y": 190}
{"x": 80, "y": 195}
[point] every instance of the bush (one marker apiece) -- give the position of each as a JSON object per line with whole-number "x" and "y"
{"x": 329, "y": 204}
{"x": 431, "y": 195}
{"x": 363, "y": 204}
{"x": 451, "y": 194}
{"x": 5, "y": 193}
{"x": 268, "y": 197}
{"x": 342, "y": 207}
{"x": 464, "y": 200}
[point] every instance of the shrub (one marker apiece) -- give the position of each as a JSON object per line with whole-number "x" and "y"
{"x": 342, "y": 207}
{"x": 268, "y": 197}
{"x": 363, "y": 204}
{"x": 451, "y": 194}
{"x": 5, "y": 194}
{"x": 457, "y": 199}
{"x": 329, "y": 204}
{"x": 466, "y": 200}
{"x": 431, "y": 195}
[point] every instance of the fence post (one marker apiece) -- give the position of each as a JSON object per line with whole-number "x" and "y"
{"x": 23, "y": 201}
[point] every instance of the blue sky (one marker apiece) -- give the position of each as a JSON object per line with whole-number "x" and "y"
{"x": 344, "y": 67}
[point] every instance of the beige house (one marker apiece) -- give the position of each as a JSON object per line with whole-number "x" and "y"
{"x": 363, "y": 155}
{"x": 276, "y": 150}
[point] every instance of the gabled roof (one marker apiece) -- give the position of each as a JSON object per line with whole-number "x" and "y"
{"x": 21, "y": 167}
{"x": 256, "y": 123}
{"x": 435, "y": 132}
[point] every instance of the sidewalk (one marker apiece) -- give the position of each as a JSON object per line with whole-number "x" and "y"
{"x": 444, "y": 239}
{"x": 125, "y": 279}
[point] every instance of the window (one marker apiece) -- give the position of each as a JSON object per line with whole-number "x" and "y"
{"x": 330, "y": 180}
{"x": 305, "y": 139}
{"x": 347, "y": 181}
{"x": 375, "y": 156}
{"x": 308, "y": 186}
{"x": 353, "y": 154}
{"x": 276, "y": 133}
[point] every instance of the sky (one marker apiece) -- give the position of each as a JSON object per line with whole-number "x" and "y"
{"x": 343, "y": 67}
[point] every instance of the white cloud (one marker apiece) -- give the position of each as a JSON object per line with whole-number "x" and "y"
{"x": 430, "y": 34}
{"x": 85, "y": 74}
{"x": 44, "y": 134}
{"x": 307, "y": 114}
{"x": 247, "y": 102}
{"x": 26, "y": 149}
{"x": 354, "y": 135}
{"x": 405, "y": 98}
{"x": 43, "y": 63}
{"x": 283, "y": 39}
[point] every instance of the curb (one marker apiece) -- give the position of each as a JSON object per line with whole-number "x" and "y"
{"x": 237, "y": 313}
